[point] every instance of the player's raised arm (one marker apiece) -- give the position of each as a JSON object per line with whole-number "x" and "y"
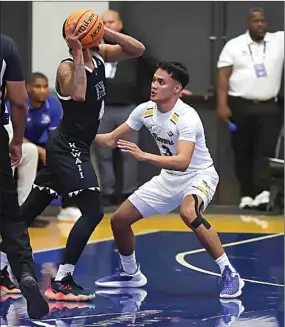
{"x": 71, "y": 76}
{"x": 123, "y": 47}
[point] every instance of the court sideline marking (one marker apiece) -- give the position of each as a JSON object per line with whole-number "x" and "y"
{"x": 180, "y": 258}
{"x": 149, "y": 231}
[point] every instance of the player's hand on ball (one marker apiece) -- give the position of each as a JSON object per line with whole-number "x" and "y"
{"x": 73, "y": 37}
{"x": 131, "y": 148}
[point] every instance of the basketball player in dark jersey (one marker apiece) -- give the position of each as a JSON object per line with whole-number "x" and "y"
{"x": 80, "y": 85}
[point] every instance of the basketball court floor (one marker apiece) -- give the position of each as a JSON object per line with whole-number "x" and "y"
{"x": 182, "y": 289}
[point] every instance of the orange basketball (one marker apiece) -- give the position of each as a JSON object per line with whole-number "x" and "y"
{"x": 87, "y": 20}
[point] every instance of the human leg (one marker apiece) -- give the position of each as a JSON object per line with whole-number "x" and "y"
{"x": 242, "y": 144}
{"x": 267, "y": 128}
{"x": 198, "y": 192}
{"x": 63, "y": 286}
{"x": 76, "y": 179}
{"x": 148, "y": 200}
{"x": 42, "y": 193}
{"x": 129, "y": 274}
{"x": 68, "y": 211}
{"x": 15, "y": 237}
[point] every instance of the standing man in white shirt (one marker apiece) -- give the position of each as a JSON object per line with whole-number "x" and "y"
{"x": 249, "y": 78}
{"x": 188, "y": 178}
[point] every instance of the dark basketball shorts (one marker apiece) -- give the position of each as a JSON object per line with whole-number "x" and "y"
{"x": 68, "y": 170}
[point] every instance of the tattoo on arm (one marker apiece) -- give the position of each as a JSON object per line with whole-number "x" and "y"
{"x": 72, "y": 79}
{"x": 79, "y": 74}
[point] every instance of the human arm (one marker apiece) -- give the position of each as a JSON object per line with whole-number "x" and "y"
{"x": 9, "y": 127}
{"x": 179, "y": 162}
{"x": 188, "y": 127}
{"x": 133, "y": 124}
{"x": 16, "y": 91}
{"x": 109, "y": 140}
{"x": 224, "y": 74}
{"x": 123, "y": 47}
{"x": 71, "y": 76}
{"x": 185, "y": 92}
{"x": 17, "y": 94}
{"x": 225, "y": 69}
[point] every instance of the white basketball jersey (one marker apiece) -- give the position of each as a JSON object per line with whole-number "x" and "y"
{"x": 180, "y": 123}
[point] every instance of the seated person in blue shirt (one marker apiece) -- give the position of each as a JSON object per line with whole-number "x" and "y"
{"x": 44, "y": 115}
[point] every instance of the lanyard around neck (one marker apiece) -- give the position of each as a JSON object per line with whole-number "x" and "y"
{"x": 264, "y": 50}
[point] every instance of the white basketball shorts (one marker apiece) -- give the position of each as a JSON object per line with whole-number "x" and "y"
{"x": 165, "y": 192}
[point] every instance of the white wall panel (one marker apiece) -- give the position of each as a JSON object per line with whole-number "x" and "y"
{"x": 48, "y": 46}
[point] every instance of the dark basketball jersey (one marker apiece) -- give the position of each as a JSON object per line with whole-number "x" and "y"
{"x": 10, "y": 69}
{"x": 81, "y": 120}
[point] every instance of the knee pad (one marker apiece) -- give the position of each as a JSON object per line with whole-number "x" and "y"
{"x": 199, "y": 220}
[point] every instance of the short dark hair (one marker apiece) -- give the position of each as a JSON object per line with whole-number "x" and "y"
{"x": 176, "y": 70}
{"x": 32, "y": 78}
{"x": 63, "y": 29}
{"x": 255, "y": 10}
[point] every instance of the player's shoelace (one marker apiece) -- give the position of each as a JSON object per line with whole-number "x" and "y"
{"x": 227, "y": 278}
{"x": 229, "y": 282}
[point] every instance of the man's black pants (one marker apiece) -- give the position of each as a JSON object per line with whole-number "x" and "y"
{"x": 13, "y": 230}
{"x": 258, "y": 127}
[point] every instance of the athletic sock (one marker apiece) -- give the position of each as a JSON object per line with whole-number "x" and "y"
{"x": 129, "y": 263}
{"x": 63, "y": 270}
{"x": 224, "y": 261}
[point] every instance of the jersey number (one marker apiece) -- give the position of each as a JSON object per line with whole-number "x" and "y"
{"x": 167, "y": 151}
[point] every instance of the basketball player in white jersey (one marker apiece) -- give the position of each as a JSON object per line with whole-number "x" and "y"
{"x": 188, "y": 178}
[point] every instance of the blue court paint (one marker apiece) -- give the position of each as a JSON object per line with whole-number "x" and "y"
{"x": 175, "y": 295}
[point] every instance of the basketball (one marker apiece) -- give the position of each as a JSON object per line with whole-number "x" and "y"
{"x": 87, "y": 20}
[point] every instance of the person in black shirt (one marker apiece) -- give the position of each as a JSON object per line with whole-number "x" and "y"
{"x": 80, "y": 85}
{"x": 15, "y": 237}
